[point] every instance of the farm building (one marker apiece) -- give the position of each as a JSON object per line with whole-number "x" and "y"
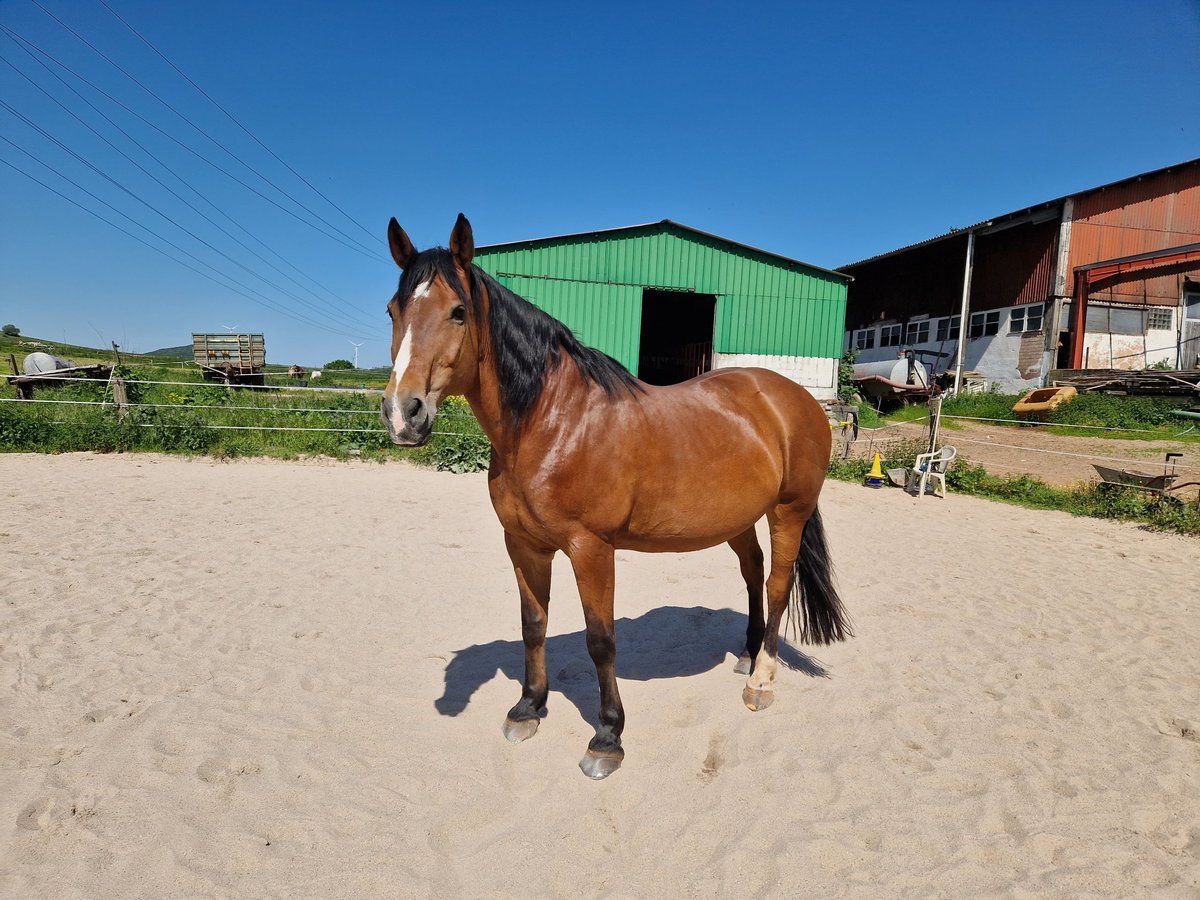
{"x": 669, "y": 301}
{"x": 1104, "y": 278}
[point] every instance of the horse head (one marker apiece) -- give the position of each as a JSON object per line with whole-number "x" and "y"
{"x": 434, "y": 337}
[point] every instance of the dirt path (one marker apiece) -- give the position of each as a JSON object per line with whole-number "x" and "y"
{"x": 1057, "y": 459}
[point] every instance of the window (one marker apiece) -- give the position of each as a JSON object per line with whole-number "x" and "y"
{"x": 947, "y": 328}
{"x": 1191, "y": 306}
{"x": 917, "y": 332}
{"x": 1025, "y": 318}
{"x": 1160, "y": 319}
{"x": 889, "y": 335}
{"x": 984, "y": 323}
{"x": 864, "y": 339}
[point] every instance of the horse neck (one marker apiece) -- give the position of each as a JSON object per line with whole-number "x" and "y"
{"x": 484, "y": 395}
{"x": 487, "y": 402}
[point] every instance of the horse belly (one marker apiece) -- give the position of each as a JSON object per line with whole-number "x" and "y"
{"x": 702, "y": 503}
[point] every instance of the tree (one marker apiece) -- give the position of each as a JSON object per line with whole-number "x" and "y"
{"x": 339, "y": 364}
{"x": 11, "y": 330}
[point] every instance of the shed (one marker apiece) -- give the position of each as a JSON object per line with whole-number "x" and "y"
{"x": 669, "y": 301}
{"x": 1107, "y": 277}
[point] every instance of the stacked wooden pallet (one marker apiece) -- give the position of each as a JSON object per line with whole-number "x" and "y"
{"x": 1185, "y": 382}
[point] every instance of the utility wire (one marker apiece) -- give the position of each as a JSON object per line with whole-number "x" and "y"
{"x": 337, "y": 317}
{"x": 181, "y": 179}
{"x": 145, "y": 203}
{"x": 235, "y": 121}
{"x": 353, "y": 244}
{"x": 263, "y": 301}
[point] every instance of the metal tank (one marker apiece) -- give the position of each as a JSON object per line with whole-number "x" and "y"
{"x": 41, "y": 363}
{"x": 899, "y": 375}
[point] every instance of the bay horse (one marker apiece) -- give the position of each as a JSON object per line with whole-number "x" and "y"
{"x": 587, "y": 459}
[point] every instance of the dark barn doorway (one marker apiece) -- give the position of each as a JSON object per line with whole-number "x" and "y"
{"x": 677, "y": 335}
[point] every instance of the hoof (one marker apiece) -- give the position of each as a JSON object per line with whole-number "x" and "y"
{"x": 522, "y": 730}
{"x": 744, "y": 664}
{"x": 600, "y": 765}
{"x": 756, "y": 700}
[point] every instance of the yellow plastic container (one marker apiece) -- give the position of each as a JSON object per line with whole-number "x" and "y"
{"x": 1044, "y": 400}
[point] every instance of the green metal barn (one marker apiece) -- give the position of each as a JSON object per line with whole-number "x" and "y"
{"x": 670, "y": 301}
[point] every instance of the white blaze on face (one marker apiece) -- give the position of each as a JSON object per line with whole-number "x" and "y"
{"x": 404, "y": 354}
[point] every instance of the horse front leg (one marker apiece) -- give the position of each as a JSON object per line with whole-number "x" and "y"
{"x": 594, "y": 564}
{"x": 532, "y": 567}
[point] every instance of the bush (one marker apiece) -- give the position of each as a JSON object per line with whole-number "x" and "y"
{"x": 11, "y": 330}
{"x": 339, "y": 364}
{"x": 845, "y": 388}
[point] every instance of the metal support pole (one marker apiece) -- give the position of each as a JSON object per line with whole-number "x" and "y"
{"x": 1079, "y": 319}
{"x": 963, "y": 312}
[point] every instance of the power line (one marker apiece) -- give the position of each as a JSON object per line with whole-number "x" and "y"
{"x": 30, "y": 53}
{"x": 264, "y": 301}
{"x": 338, "y": 317}
{"x": 149, "y": 206}
{"x": 234, "y": 119}
{"x": 120, "y": 69}
{"x": 200, "y": 156}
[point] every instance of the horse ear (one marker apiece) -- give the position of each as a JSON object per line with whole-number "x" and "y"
{"x": 402, "y": 248}
{"x": 462, "y": 242}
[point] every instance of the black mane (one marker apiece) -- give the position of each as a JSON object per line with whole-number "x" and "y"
{"x": 527, "y": 343}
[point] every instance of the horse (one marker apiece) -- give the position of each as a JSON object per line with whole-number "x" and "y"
{"x": 588, "y": 460}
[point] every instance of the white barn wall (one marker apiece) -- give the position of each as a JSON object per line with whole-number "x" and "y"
{"x": 818, "y": 374}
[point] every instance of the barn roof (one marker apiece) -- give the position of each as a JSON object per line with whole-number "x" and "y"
{"x": 1017, "y": 216}
{"x": 667, "y": 225}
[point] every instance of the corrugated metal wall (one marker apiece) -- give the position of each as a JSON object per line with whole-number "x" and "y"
{"x": 594, "y": 284}
{"x": 1014, "y": 266}
{"x": 1152, "y": 213}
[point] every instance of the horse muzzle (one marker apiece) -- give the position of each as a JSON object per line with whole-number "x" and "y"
{"x": 409, "y": 421}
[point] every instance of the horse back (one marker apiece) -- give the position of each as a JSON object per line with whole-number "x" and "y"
{"x": 675, "y": 467}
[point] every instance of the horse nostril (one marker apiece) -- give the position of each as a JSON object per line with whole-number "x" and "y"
{"x": 412, "y": 408}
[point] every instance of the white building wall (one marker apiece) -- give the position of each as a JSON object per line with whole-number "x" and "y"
{"x": 1016, "y": 362}
{"x": 816, "y": 373}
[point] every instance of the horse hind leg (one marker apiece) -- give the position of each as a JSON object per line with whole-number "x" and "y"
{"x": 750, "y": 559}
{"x": 786, "y": 530}
{"x": 800, "y": 566}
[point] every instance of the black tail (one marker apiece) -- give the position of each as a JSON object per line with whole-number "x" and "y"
{"x": 814, "y": 602}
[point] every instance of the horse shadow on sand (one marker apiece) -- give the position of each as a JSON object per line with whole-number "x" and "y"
{"x": 668, "y": 642}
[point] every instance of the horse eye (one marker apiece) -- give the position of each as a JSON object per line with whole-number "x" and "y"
{"x": 459, "y": 313}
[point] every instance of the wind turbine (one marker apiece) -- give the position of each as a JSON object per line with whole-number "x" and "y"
{"x": 230, "y": 328}
{"x": 356, "y": 346}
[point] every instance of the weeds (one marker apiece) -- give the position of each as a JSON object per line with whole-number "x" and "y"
{"x": 1098, "y": 501}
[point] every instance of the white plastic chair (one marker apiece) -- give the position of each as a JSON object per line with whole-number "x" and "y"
{"x": 932, "y": 467}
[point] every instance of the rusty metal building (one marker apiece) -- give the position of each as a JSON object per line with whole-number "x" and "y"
{"x": 1104, "y": 278}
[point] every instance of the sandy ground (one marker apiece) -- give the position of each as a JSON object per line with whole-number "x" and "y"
{"x": 263, "y": 679}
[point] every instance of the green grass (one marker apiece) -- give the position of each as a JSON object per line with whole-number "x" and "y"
{"x": 1095, "y": 500}
{"x": 187, "y": 415}
{"x": 1145, "y": 418}
{"x": 1104, "y": 415}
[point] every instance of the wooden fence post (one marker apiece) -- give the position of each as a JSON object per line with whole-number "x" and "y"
{"x": 935, "y": 421}
{"x": 120, "y": 397}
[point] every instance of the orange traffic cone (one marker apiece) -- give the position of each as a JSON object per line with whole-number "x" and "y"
{"x": 875, "y": 476}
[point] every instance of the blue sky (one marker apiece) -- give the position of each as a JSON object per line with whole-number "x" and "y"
{"x": 825, "y": 132}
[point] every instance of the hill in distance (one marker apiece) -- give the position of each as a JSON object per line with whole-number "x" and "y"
{"x": 183, "y": 352}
